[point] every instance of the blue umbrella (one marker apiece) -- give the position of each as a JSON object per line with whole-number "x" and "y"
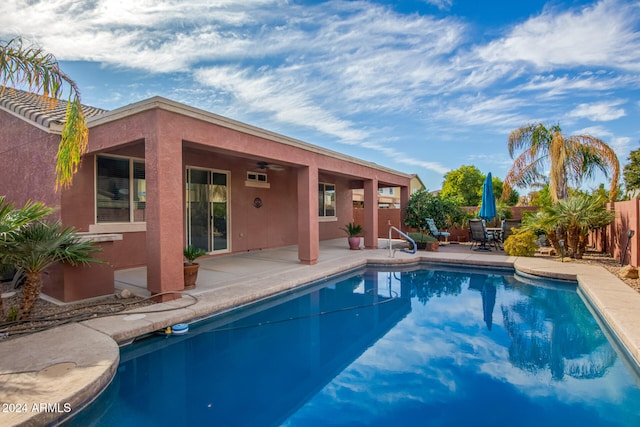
{"x": 488, "y": 206}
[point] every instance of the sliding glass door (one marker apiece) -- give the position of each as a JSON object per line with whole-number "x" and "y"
{"x": 207, "y": 196}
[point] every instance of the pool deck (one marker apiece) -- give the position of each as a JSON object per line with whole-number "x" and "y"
{"x": 45, "y": 375}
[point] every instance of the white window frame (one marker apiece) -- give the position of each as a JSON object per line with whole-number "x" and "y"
{"x": 326, "y": 218}
{"x": 116, "y": 227}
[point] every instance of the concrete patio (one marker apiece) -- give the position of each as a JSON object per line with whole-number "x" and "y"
{"x": 48, "y": 374}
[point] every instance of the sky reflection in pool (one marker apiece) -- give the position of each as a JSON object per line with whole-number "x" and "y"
{"x": 426, "y": 347}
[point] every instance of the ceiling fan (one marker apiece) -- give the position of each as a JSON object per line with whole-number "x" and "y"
{"x": 269, "y": 166}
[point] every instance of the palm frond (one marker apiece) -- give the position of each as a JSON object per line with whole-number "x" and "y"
{"x": 595, "y": 154}
{"x": 12, "y": 219}
{"x": 39, "y": 245}
{"x": 28, "y": 65}
{"x": 73, "y": 144}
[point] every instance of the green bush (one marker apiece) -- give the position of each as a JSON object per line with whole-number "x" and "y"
{"x": 422, "y": 237}
{"x": 423, "y": 205}
{"x": 521, "y": 244}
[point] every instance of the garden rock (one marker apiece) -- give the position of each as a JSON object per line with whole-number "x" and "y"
{"x": 629, "y": 272}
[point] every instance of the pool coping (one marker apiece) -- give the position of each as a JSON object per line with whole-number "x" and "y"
{"x": 81, "y": 359}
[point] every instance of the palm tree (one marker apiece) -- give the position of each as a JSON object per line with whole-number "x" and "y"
{"x": 30, "y": 66}
{"x": 37, "y": 246}
{"x": 578, "y": 215}
{"x": 12, "y": 219}
{"x": 570, "y": 159}
{"x": 571, "y": 220}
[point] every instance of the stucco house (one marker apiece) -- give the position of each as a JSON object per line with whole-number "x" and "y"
{"x": 389, "y": 197}
{"x": 159, "y": 174}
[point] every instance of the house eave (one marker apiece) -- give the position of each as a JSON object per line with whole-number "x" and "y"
{"x": 161, "y": 103}
{"x": 52, "y": 128}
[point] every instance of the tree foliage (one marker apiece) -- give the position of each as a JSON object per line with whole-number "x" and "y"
{"x": 631, "y": 171}
{"x": 25, "y": 65}
{"x": 570, "y": 159}
{"x": 571, "y": 220}
{"x": 463, "y": 186}
{"x": 423, "y": 205}
{"x": 510, "y": 198}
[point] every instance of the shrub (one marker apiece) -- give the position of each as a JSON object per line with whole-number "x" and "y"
{"x": 522, "y": 243}
{"x": 423, "y": 205}
{"x": 422, "y": 237}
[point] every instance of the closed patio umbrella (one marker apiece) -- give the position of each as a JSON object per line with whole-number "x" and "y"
{"x": 488, "y": 302}
{"x": 488, "y": 206}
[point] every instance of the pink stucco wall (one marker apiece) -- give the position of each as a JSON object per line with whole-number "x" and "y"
{"x": 215, "y": 147}
{"x": 28, "y": 163}
{"x": 614, "y": 239}
{"x": 386, "y": 217}
{"x": 170, "y": 138}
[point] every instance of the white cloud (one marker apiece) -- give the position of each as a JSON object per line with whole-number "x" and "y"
{"x": 603, "y": 111}
{"x": 440, "y": 4}
{"x": 604, "y": 34}
{"x": 355, "y": 71}
{"x": 552, "y": 86}
{"x": 498, "y": 111}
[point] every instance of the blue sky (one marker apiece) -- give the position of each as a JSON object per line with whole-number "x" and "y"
{"x": 422, "y": 86}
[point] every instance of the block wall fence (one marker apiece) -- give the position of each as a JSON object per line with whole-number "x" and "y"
{"x": 613, "y": 239}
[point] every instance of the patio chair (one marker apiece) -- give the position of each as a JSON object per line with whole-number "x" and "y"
{"x": 507, "y": 227}
{"x": 479, "y": 236}
{"x": 434, "y": 230}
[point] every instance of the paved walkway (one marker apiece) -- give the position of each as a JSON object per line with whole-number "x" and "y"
{"x": 45, "y": 375}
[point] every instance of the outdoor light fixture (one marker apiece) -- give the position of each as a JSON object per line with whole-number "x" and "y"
{"x": 630, "y": 234}
{"x": 561, "y": 243}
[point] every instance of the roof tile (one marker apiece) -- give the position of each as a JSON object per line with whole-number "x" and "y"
{"x": 39, "y": 109}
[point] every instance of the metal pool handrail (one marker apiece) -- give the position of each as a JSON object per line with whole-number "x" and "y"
{"x": 400, "y": 232}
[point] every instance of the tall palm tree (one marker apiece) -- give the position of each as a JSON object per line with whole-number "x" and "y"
{"x": 28, "y": 65}
{"x": 12, "y": 219}
{"x": 37, "y": 246}
{"x": 570, "y": 159}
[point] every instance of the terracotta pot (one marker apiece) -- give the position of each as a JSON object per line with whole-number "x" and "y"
{"x": 190, "y": 275}
{"x": 354, "y": 243}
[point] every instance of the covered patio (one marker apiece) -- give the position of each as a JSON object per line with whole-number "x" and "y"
{"x": 245, "y": 277}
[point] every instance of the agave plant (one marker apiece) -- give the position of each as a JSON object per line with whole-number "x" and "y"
{"x": 38, "y": 245}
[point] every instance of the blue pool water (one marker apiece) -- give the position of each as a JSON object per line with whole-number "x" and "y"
{"x": 416, "y": 348}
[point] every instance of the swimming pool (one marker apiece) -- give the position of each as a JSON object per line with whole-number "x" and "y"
{"x": 425, "y": 347}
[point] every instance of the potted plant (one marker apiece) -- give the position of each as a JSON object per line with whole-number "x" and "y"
{"x": 353, "y": 230}
{"x": 191, "y": 253}
{"x": 425, "y": 241}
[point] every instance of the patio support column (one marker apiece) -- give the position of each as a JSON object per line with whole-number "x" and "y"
{"x": 371, "y": 213}
{"x": 164, "y": 209}
{"x": 404, "y": 200}
{"x": 308, "y": 230}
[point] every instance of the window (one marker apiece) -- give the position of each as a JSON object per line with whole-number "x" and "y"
{"x": 257, "y": 176}
{"x": 121, "y": 191}
{"x": 326, "y": 200}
